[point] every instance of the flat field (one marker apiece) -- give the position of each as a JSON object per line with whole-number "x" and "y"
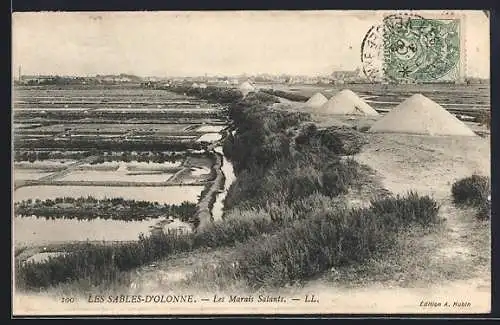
{"x": 387, "y": 96}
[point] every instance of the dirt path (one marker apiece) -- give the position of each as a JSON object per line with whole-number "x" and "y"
{"x": 167, "y": 274}
{"x": 430, "y": 165}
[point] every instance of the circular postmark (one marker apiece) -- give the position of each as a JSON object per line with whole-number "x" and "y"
{"x": 408, "y": 47}
{"x": 372, "y": 53}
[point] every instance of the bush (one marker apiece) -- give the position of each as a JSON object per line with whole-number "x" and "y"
{"x": 293, "y": 179}
{"x": 339, "y": 176}
{"x": 410, "y": 209}
{"x": 312, "y": 245}
{"x": 340, "y": 141}
{"x": 286, "y": 95}
{"x": 262, "y": 97}
{"x": 237, "y": 227}
{"x": 471, "y": 191}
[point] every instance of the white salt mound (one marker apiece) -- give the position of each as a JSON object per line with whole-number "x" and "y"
{"x": 347, "y": 102}
{"x": 420, "y": 115}
{"x": 43, "y": 257}
{"x": 246, "y": 88}
{"x": 316, "y": 101}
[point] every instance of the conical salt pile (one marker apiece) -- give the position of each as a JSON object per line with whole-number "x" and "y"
{"x": 246, "y": 88}
{"x": 346, "y": 103}
{"x": 316, "y": 101}
{"x": 420, "y": 115}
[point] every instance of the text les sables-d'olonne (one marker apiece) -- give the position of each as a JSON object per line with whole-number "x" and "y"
{"x": 191, "y": 299}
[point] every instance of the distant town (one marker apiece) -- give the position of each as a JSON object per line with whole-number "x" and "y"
{"x": 335, "y": 78}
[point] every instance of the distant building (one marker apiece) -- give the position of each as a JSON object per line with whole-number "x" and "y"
{"x": 121, "y": 78}
{"x": 346, "y": 76}
{"x": 113, "y": 79}
{"x": 475, "y": 81}
{"x": 153, "y": 79}
{"x": 323, "y": 81}
{"x": 34, "y": 80}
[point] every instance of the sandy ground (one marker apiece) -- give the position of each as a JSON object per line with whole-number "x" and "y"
{"x": 428, "y": 165}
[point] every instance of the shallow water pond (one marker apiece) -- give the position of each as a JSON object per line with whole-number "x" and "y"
{"x": 116, "y": 176}
{"x": 29, "y": 174}
{"x": 40, "y": 231}
{"x": 210, "y": 128}
{"x": 210, "y": 137}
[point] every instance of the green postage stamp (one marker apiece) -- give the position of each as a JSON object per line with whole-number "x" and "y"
{"x": 410, "y": 48}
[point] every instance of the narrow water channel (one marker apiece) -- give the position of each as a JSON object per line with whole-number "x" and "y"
{"x": 227, "y": 170}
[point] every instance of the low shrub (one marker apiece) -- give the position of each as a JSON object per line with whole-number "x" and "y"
{"x": 237, "y": 227}
{"x": 411, "y": 208}
{"x": 471, "y": 191}
{"x": 262, "y": 97}
{"x": 289, "y": 181}
{"x": 286, "y": 95}
{"x": 312, "y": 245}
{"x": 339, "y": 176}
{"x": 340, "y": 141}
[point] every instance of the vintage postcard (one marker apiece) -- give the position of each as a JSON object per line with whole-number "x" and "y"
{"x": 251, "y": 162}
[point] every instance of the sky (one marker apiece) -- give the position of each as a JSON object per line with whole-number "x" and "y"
{"x": 213, "y": 43}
